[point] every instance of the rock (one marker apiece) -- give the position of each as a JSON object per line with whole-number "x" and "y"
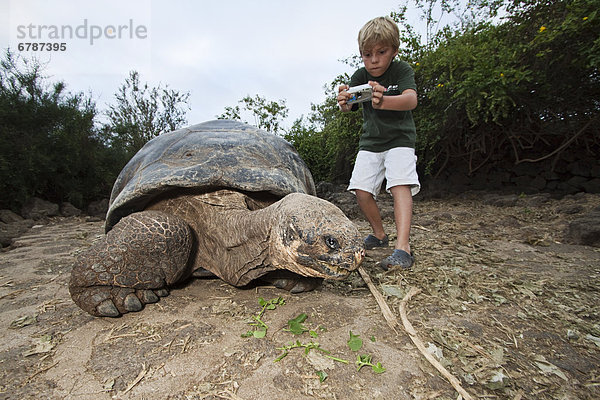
{"x": 98, "y": 208}
{"x": 8, "y": 232}
{"x": 528, "y": 184}
{"x": 539, "y": 182}
{"x": 550, "y": 175}
{"x": 346, "y": 201}
{"x": 585, "y": 229}
{"x": 480, "y": 182}
{"x": 9, "y": 217}
{"x": 69, "y": 210}
{"x": 326, "y": 189}
{"x": 500, "y": 200}
{"x": 497, "y": 178}
{"x": 37, "y": 209}
{"x": 338, "y": 195}
{"x": 536, "y": 200}
{"x": 329, "y": 191}
{"x": 567, "y": 188}
{"x": 580, "y": 168}
{"x": 577, "y": 182}
{"x": 592, "y": 186}
{"x": 459, "y": 181}
{"x": 570, "y": 209}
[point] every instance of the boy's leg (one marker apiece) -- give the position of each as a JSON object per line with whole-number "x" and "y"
{"x": 403, "y": 204}
{"x": 367, "y": 176}
{"x": 369, "y": 208}
{"x": 403, "y": 183}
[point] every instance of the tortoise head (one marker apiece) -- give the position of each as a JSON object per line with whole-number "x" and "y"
{"x": 313, "y": 238}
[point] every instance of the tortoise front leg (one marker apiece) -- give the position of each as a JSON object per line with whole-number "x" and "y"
{"x": 133, "y": 265}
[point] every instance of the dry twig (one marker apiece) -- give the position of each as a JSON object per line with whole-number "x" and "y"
{"x": 40, "y": 371}
{"x": 137, "y": 380}
{"x": 419, "y": 343}
{"x": 385, "y": 310}
{"x": 393, "y": 323}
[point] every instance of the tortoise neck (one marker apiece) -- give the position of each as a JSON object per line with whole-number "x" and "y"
{"x": 231, "y": 240}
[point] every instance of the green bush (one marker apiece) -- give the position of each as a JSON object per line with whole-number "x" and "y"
{"x": 328, "y": 140}
{"x": 521, "y": 89}
{"x": 48, "y": 146}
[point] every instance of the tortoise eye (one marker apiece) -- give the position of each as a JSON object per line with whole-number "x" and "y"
{"x": 331, "y": 242}
{"x": 290, "y": 236}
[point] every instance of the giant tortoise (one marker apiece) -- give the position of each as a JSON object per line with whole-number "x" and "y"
{"x": 219, "y": 198}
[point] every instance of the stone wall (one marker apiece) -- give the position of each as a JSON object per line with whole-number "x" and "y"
{"x": 564, "y": 177}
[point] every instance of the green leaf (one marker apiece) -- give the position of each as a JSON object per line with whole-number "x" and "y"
{"x": 296, "y": 328}
{"x": 322, "y": 375}
{"x": 313, "y": 334}
{"x": 260, "y": 333}
{"x": 295, "y": 325}
{"x": 364, "y": 359}
{"x": 355, "y": 342}
{"x": 373, "y": 338}
{"x": 300, "y": 318}
{"x": 378, "y": 368}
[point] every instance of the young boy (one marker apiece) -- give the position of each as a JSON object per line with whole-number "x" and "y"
{"x": 387, "y": 144}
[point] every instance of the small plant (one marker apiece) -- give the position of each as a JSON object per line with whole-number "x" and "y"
{"x": 260, "y": 330}
{"x": 365, "y": 361}
{"x": 355, "y": 343}
{"x": 322, "y": 376}
{"x": 295, "y": 325}
{"x": 307, "y": 348}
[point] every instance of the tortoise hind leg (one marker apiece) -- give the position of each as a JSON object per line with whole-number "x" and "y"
{"x": 133, "y": 265}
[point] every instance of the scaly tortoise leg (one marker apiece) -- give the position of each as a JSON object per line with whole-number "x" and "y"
{"x": 133, "y": 265}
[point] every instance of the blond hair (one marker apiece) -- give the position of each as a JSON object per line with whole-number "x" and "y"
{"x": 379, "y": 31}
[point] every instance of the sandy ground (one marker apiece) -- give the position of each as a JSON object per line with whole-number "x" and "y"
{"x": 506, "y": 306}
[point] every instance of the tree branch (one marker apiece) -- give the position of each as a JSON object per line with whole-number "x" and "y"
{"x": 561, "y": 147}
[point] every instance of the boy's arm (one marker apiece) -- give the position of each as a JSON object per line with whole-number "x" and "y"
{"x": 403, "y": 102}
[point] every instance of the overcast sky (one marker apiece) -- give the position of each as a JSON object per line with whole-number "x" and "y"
{"x": 219, "y": 51}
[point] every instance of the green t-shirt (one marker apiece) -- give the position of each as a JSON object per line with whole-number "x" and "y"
{"x": 385, "y": 129}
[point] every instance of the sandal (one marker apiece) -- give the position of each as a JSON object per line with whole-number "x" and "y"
{"x": 398, "y": 258}
{"x": 371, "y": 242}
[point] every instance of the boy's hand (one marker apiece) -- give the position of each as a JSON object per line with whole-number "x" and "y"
{"x": 343, "y": 97}
{"x": 377, "y": 100}
{"x": 403, "y": 102}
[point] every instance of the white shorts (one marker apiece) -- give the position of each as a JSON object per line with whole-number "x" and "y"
{"x": 398, "y": 166}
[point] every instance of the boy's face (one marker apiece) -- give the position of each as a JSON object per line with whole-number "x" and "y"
{"x": 378, "y": 59}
